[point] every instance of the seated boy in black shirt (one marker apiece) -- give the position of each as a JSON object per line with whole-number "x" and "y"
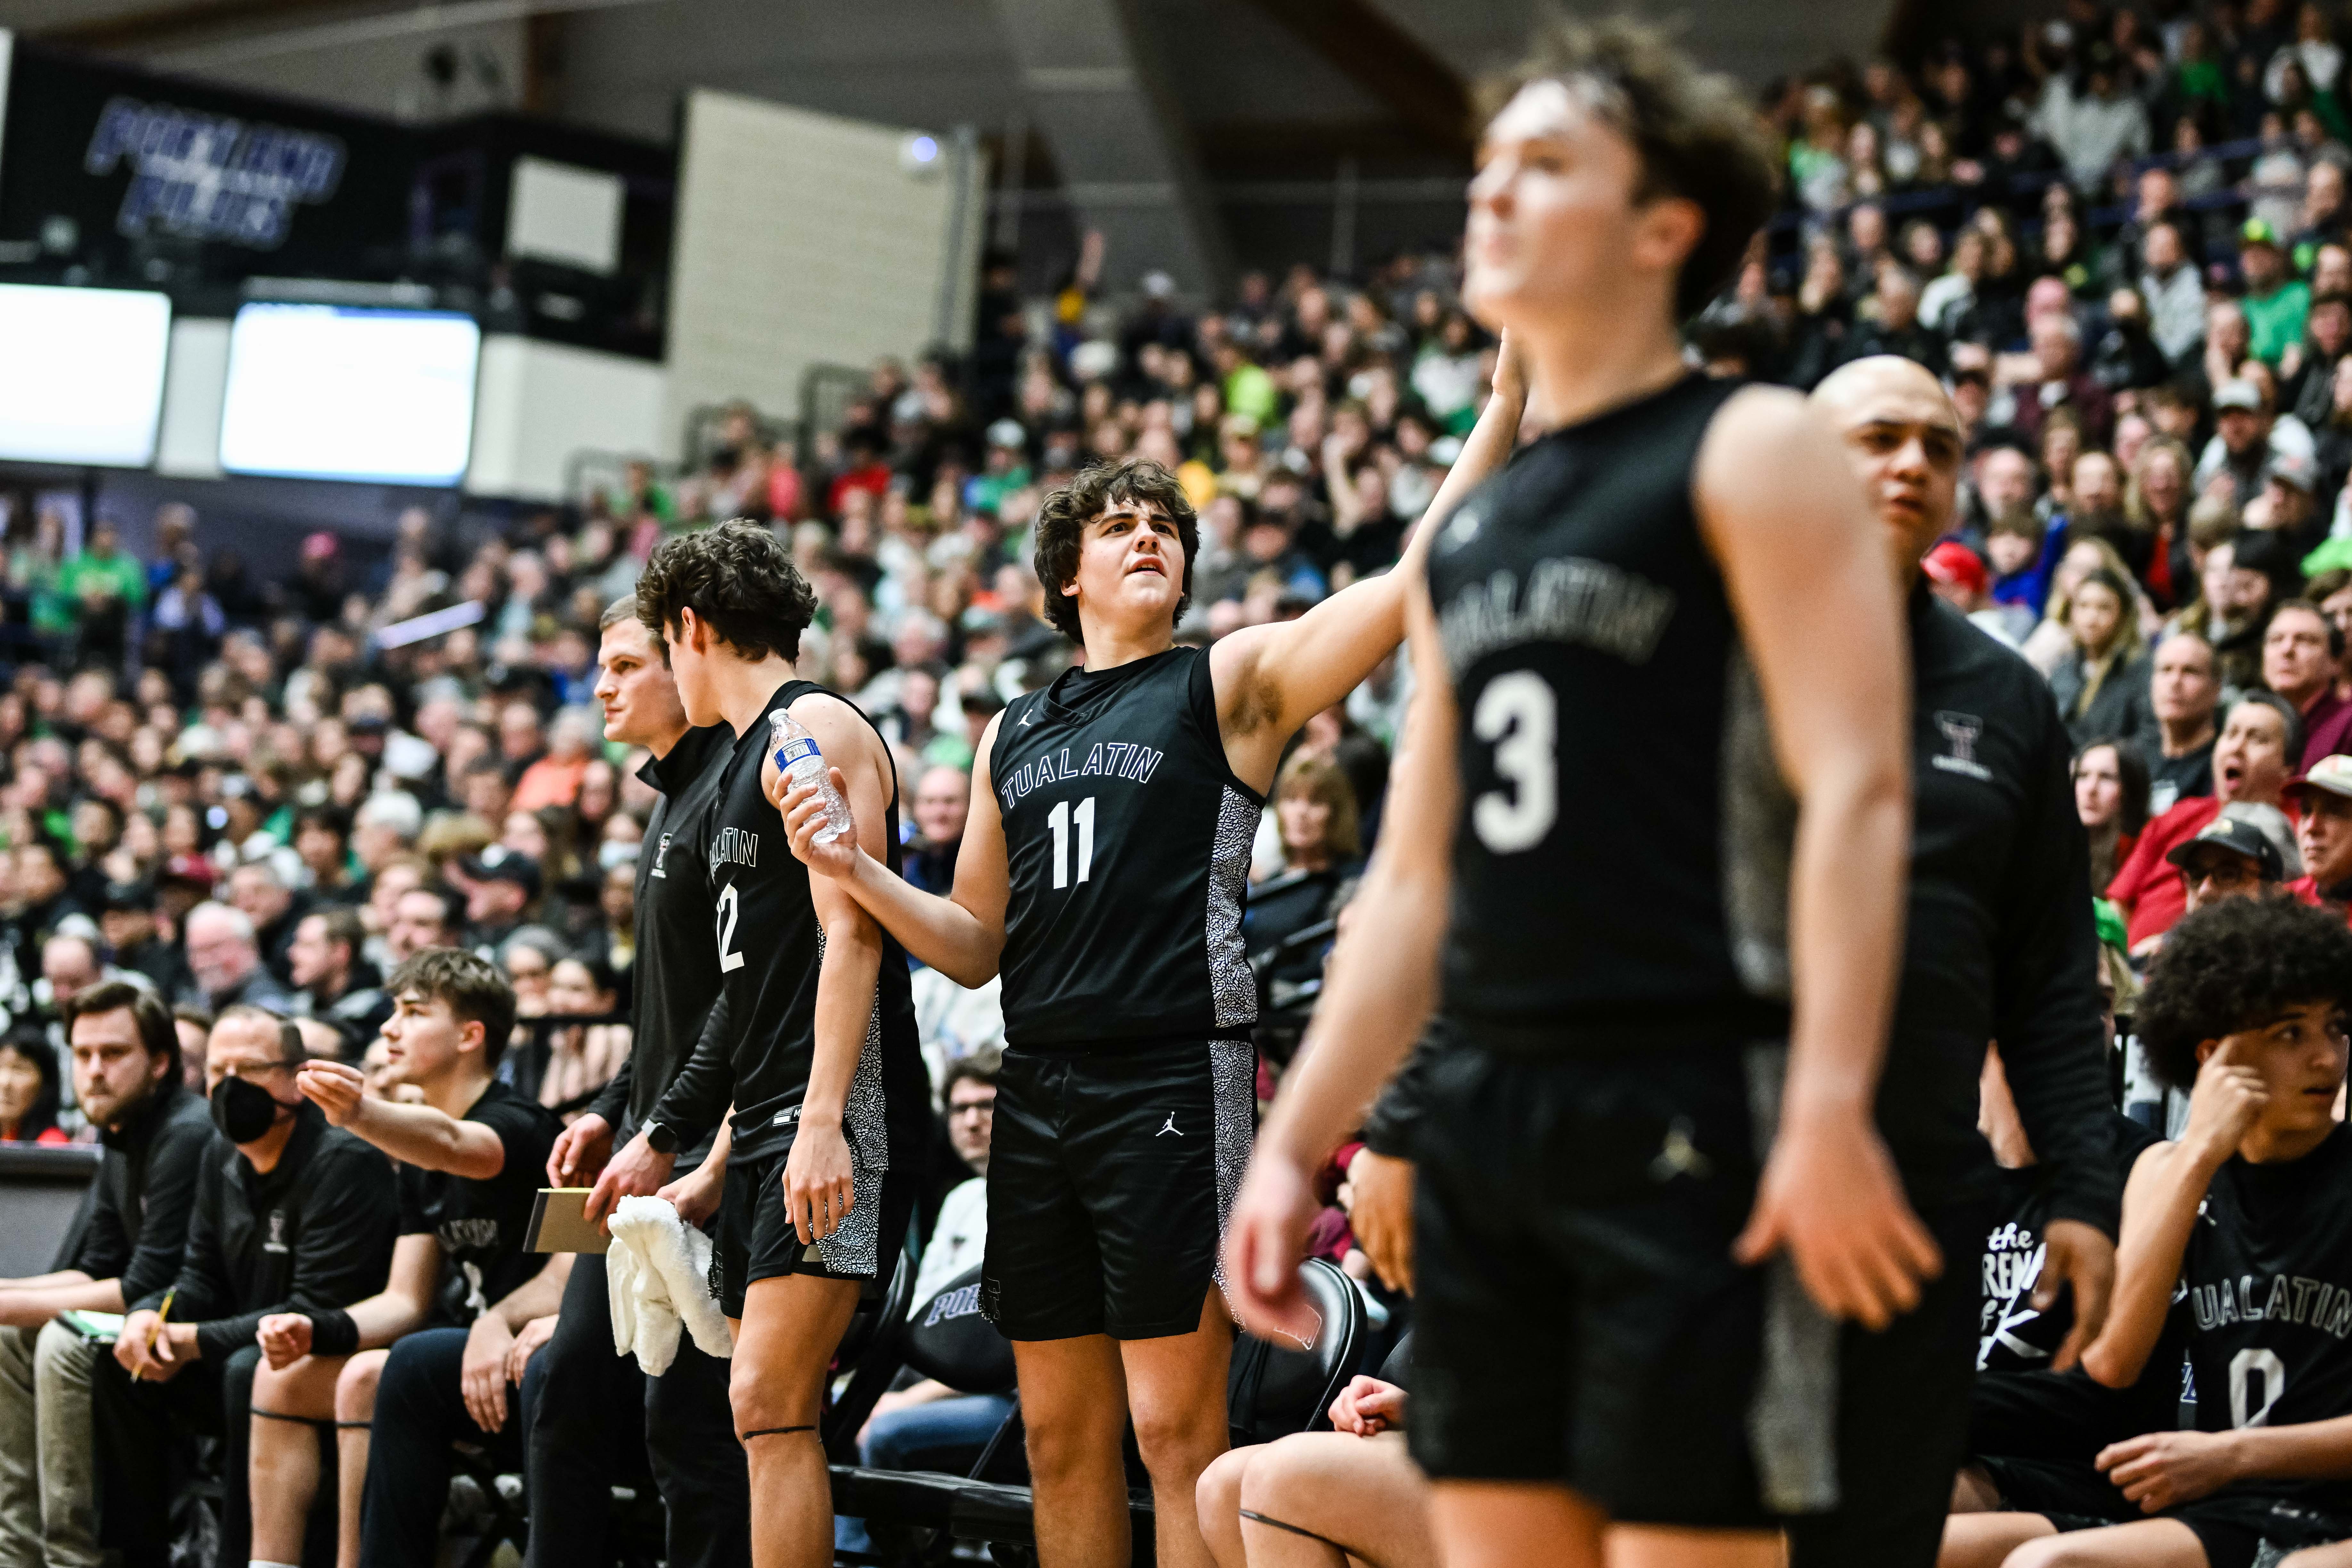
{"x": 290, "y": 1214}
{"x": 2237, "y": 1238}
{"x": 461, "y": 1284}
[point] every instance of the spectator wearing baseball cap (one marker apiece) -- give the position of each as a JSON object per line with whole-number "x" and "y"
{"x": 1959, "y": 575}
{"x": 2276, "y": 303}
{"x": 2323, "y": 793}
{"x": 500, "y": 886}
{"x": 2229, "y": 859}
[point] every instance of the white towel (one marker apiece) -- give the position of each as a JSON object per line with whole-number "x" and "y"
{"x": 659, "y": 1274}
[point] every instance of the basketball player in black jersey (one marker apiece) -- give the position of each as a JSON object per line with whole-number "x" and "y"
{"x": 1102, "y": 872}
{"x": 2239, "y": 1235}
{"x": 829, "y": 1099}
{"x": 1630, "y": 637}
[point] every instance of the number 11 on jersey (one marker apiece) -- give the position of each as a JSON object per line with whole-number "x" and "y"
{"x": 1059, "y": 820}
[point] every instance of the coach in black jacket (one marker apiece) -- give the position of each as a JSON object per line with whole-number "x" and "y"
{"x": 294, "y": 1215}
{"x": 575, "y": 1449}
{"x": 1999, "y": 946}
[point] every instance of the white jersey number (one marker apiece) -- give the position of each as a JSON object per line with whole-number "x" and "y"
{"x": 1059, "y": 820}
{"x": 2245, "y": 1367}
{"x": 1518, "y": 713}
{"x": 730, "y": 906}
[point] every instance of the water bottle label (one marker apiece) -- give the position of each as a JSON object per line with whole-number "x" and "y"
{"x": 793, "y": 750}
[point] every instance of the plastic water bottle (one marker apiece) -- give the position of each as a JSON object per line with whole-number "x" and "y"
{"x": 798, "y": 759}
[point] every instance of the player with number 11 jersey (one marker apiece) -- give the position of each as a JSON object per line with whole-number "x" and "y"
{"x": 1102, "y": 873}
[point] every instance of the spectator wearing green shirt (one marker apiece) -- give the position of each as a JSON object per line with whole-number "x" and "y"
{"x": 2276, "y": 303}
{"x": 106, "y": 586}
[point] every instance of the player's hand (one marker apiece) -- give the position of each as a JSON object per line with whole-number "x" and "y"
{"x": 1265, "y": 1239}
{"x": 580, "y": 1151}
{"x": 482, "y": 1373}
{"x": 805, "y": 818}
{"x": 638, "y": 1171}
{"x": 284, "y": 1339}
{"x": 1380, "y": 1211}
{"x": 337, "y": 1089}
{"x": 535, "y": 1333}
{"x": 1368, "y": 1407}
{"x": 1829, "y": 1196}
{"x": 2228, "y": 1098}
{"x": 2163, "y": 1469}
{"x": 819, "y": 1184}
{"x": 2083, "y": 1256}
{"x": 696, "y": 1195}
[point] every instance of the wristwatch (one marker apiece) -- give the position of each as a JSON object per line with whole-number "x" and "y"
{"x": 660, "y": 1139}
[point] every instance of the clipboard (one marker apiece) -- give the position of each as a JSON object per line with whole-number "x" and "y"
{"x": 559, "y": 1222}
{"x": 96, "y": 1328}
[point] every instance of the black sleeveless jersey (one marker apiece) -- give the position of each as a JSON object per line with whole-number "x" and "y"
{"x": 769, "y": 948}
{"x": 1127, "y": 840}
{"x": 1621, "y": 861}
{"x": 2267, "y": 1298}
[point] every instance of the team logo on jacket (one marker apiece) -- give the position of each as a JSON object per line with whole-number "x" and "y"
{"x": 1962, "y": 732}
{"x": 661, "y": 852}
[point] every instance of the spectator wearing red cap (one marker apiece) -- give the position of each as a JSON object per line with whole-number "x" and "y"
{"x": 2251, "y": 761}
{"x": 2323, "y": 793}
{"x": 2300, "y": 652}
{"x": 1958, "y": 575}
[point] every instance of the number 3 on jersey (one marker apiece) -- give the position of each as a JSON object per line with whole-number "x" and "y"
{"x": 1517, "y": 712}
{"x": 730, "y": 905}
{"x": 1059, "y": 820}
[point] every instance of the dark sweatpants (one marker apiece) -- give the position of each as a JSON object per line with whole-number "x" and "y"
{"x": 581, "y": 1445}
{"x": 136, "y": 1425}
{"x": 1903, "y": 1415}
{"x": 420, "y": 1410}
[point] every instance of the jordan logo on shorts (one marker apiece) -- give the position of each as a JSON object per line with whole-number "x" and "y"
{"x": 1170, "y": 1127}
{"x": 1679, "y": 1156}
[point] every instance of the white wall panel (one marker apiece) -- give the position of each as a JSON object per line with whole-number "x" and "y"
{"x": 188, "y": 444}
{"x": 803, "y": 240}
{"x": 537, "y": 404}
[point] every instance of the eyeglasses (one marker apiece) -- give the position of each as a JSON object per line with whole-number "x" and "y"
{"x": 250, "y": 1070}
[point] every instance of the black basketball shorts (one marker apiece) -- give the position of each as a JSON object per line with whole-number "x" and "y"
{"x": 1109, "y": 1180}
{"x": 1579, "y": 1318}
{"x": 756, "y": 1240}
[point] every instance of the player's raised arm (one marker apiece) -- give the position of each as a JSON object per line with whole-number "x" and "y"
{"x": 960, "y": 935}
{"x": 1805, "y": 568}
{"x": 1271, "y": 679}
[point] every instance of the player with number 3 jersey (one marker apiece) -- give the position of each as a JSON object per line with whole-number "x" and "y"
{"x": 1102, "y": 873}
{"x": 1648, "y": 825}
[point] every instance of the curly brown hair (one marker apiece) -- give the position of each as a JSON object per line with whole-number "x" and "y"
{"x": 1062, "y": 525}
{"x": 1699, "y": 138}
{"x": 739, "y": 579}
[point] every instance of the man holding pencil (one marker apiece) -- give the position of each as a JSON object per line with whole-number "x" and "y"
{"x": 291, "y": 1215}
{"x": 126, "y": 1068}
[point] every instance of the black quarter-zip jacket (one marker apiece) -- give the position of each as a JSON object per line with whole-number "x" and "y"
{"x": 677, "y": 983}
{"x": 1999, "y": 940}
{"x": 314, "y": 1234}
{"x": 138, "y": 1217}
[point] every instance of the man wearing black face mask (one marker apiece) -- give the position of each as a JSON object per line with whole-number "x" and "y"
{"x": 126, "y": 1068}
{"x": 298, "y": 1216}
